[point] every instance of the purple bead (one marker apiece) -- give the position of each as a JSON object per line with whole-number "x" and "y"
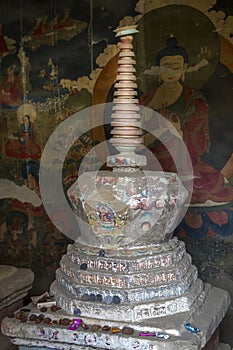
{"x": 143, "y": 334}
{"x": 77, "y": 321}
{"x": 73, "y": 327}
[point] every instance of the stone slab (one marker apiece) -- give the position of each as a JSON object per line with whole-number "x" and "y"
{"x": 14, "y": 284}
{"x": 10, "y": 308}
{"x": 207, "y": 318}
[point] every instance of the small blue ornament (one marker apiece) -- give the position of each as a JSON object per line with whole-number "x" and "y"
{"x": 83, "y": 266}
{"x": 101, "y": 252}
{"x": 116, "y": 299}
{"x": 92, "y": 297}
{"x": 191, "y": 328}
{"x": 108, "y": 299}
{"x": 77, "y": 312}
{"x": 99, "y": 298}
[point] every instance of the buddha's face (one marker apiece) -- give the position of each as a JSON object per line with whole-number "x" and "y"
{"x": 26, "y": 120}
{"x": 172, "y": 68}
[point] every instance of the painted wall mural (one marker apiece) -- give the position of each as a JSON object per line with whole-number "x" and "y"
{"x": 63, "y": 58}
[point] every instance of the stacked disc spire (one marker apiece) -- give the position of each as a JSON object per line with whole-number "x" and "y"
{"x": 126, "y": 117}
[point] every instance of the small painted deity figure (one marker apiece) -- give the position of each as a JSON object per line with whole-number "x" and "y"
{"x": 23, "y": 144}
{"x": 10, "y": 89}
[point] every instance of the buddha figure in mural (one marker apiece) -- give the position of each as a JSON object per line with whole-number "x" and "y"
{"x": 187, "y": 110}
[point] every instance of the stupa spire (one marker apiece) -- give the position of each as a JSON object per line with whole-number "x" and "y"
{"x": 126, "y": 132}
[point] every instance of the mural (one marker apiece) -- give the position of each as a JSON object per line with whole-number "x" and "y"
{"x": 63, "y": 59}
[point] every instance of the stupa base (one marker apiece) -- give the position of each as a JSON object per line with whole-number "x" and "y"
{"x": 52, "y": 333}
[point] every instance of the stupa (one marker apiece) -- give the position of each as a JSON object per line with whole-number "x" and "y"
{"x": 130, "y": 284}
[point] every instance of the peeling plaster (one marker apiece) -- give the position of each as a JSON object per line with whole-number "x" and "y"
{"x": 8, "y": 189}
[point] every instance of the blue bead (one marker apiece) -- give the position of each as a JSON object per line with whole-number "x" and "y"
{"x": 92, "y": 297}
{"x": 108, "y": 299}
{"x": 191, "y": 328}
{"x": 101, "y": 252}
{"x": 116, "y": 299}
{"x": 77, "y": 312}
{"x": 99, "y": 298}
{"x": 83, "y": 266}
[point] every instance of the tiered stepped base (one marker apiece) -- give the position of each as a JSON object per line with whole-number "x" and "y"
{"x": 132, "y": 298}
{"x": 131, "y": 284}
